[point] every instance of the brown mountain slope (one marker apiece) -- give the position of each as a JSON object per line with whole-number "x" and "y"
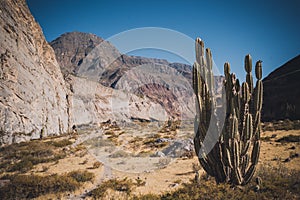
{"x": 167, "y": 84}
{"x": 72, "y": 47}
{"x": 282, "y": 92}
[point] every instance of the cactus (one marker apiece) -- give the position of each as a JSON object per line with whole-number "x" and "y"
{"x": 234, "y": 155}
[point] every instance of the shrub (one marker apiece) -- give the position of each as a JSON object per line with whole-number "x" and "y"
{"x": 125, "y": 185}
{"x": 277, "y": 183}
{"x": 81, "y": 176}
{"x": 22, "y": 166}
{"x": 32, "y": 186}
{"x": 60, "y": 143}
{"x": 27, "y": 154}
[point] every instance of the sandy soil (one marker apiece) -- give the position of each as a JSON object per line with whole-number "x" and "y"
{"x": 174, "y": 174}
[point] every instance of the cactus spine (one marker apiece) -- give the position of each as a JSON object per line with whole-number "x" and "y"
{"x": 234, "y": 156}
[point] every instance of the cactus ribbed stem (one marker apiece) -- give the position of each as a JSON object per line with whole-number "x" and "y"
{"x": 234, "y": 157}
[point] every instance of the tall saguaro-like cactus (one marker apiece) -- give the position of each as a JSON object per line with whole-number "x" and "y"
{"x": 228, "y": 151}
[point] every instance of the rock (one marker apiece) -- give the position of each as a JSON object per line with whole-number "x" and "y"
{"x": 92, "y": 103}
{"x": 173, "y": 185}
{"x": 159, "y": 154}
{"x": 36, "y": 100}
{"x": 179, "y": 148}
{"x": 281, "y": 92}
{"x": 33, "y": 94}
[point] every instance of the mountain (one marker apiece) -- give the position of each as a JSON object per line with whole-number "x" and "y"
{"x": 37, "y": 100}
{"x": 282, "y": 93}
{"x": 158, "y": 81}
{"x": 71, "y": 48}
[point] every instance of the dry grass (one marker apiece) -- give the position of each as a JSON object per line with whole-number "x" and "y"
{"x": 277, "y": 183}
{"x": 23, "y": 156}
{"x": 32, "y": 186}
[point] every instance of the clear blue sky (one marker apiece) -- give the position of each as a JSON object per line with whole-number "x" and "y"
{"x": 268, "y": 30}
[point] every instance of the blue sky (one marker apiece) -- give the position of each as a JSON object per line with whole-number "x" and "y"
{"x": 268, "y": 30}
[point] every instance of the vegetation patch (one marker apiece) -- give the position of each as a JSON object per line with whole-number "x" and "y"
{"x": 81, "y": 176}
{"x": 60, "y": 143}
{"x": 23, "y": 156}
{"x": 124, "y": 185}
{"x": 289, "y": 138}
{"x": 32, "y": 186}
{"x": 281, "y": 125}
{"x": 277, "y": 183}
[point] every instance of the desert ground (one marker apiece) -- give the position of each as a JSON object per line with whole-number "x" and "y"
{"x": 150, "y": 172}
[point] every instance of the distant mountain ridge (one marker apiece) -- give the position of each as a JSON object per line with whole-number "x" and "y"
{"x": 71, "y": 48}
{"x": 107, "y": 66}
{"x": 282, "y": 92}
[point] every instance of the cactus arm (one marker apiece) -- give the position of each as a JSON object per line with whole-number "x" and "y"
{"x": 230, "y": 160}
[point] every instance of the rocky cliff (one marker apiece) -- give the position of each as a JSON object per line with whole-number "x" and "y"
{"x": 33, "y": 95}
{"x": 36, "y": 99}
{"x": 282, "y": 93}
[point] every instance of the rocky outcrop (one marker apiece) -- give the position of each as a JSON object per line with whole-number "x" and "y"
{"x": 33, "y": 95}
{"x": 282, "y": 93}
{"x": 37, "y": 100}
{"x": 92, "y": 103}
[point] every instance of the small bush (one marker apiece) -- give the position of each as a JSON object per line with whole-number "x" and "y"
{"x": 82, "y": 176}
{"x": 32, "y": 186}
{"x": 27, "y": 154}
{"x": 60, "y": 143}
{"x": 125, "y": 185}
{"x": 22, "y": 166}
{"x": 119, "y": 154}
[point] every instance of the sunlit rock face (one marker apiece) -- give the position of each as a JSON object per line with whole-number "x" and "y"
{"x": 33, "y": 94}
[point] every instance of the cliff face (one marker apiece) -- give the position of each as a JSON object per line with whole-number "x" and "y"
{"x": 92, "y": 103}
{"x": 36, "y": 99}
{"x": 33, "y": 95}
{"x": 282, "y": 93}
